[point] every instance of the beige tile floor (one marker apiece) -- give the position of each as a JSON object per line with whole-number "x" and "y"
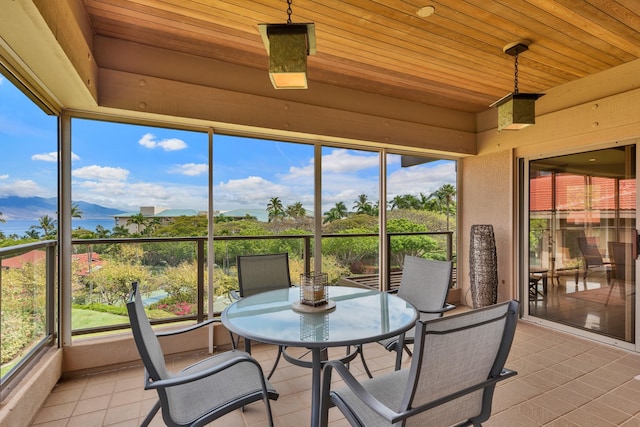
{"x": 562, "y": 381}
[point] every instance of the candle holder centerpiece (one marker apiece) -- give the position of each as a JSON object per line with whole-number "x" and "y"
{"x": 313, "y": 289}
{"x": 314, "y": 294}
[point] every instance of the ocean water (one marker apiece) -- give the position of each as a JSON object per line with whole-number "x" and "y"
{"x": 19, "y": 227}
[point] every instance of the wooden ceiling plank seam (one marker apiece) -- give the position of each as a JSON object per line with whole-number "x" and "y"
{"x": 620, "y": 11}
{"x": 581, "y": 46}
{"x": 579, "y": 11}
{"x": 551, "y": 36}
{"x": 402, "y": 31}
{"x": 186, "y": 46}
{"x": 479, "y": 79}
{"x": 583, "y": 41}
{"x": 434, "y": 86}
{"x": 631, "y": 5}
{"x": 170, "y": 20}
{"x": 612, "y": 24}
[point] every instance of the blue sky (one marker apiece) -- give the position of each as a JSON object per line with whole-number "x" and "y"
{"x": 126, "y": 166}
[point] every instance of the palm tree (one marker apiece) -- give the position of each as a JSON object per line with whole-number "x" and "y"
{"x": 47, "y": 224}
{"x": 341, "y": 209}
{"x": 399, "y": 202}
{"x": 102, "y": 232}
{"x": 363, "y": 206}
{"x": 275, "y": 209}
{"x": 151, "y": 225}
{"x": 32, "y": 234}
{"x": 1, "y": 218}
{"x": 75, "y": 211}
{"x": 337, "y": 212}
{"x": 445, "y": 196}
{"x": 138, "y": 220}
{"x": 120, "y": 231}
{"x": 330, "y": 216}
{"x": 296, "y": 210}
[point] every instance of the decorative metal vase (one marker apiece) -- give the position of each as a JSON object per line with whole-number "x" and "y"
{"x": 483, "y": 266}
{"x": 313, "y": 289}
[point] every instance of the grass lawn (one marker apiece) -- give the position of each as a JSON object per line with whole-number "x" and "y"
{"x": 81, "y": 319}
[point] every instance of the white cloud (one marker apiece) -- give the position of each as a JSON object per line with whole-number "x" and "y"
{"x": 253, "y": 191}
{"x": 20, "y": 187}
{"x": 148, "y": 140}
{"x": 191, "y": 169}
{"x": 423, "y": 179}
{"x": 130, "y": 196}
{"x": 51, "y": 157}
{"x": 100, "y": 173}
{"x": 341, "y": 161}
{"x": 4, "y": 176}
{"x": 338, "y": 161}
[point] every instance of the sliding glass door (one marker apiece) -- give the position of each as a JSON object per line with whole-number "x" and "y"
{"x": 581, "y": 234}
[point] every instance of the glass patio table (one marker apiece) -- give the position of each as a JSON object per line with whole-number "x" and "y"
{"x": 359, "y": 316}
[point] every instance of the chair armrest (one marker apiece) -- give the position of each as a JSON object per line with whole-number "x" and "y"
{"x": 357, "y": 388}
{"x": 503, "y": 375}
{"x": 179, "y": 379}
{"x": 188, "y": 328}
{"x": 446, "y": 308}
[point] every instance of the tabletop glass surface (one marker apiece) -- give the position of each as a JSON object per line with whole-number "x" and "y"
{"x": 360, "y": 316}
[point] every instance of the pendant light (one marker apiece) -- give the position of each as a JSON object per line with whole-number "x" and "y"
{"x": 516, "y": 110}
{"x": 288, "y": 46}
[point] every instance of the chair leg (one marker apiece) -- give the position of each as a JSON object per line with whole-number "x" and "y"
{"x": 399, "y": 356}
{"x": 273, "y": 369}
{"x": 152, "y": 413}
{"x": 364, "y": 362}
{"x": 234, "y": 342}
{"x": 406, "y": 348}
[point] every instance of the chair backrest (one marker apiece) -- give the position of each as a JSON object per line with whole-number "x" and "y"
{"x": 454, "y": 353}
{"x": 146, "y": 340}
{"x": 260, "y": 273}
{"x": 621, "y": 254}
{"x": 590, "y": 252}
{"x": 425, "y": 284}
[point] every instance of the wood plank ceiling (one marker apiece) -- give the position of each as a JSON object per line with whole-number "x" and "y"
{"x": 453, "y": 58}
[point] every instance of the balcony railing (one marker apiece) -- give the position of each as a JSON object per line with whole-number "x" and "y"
{"x": 173, "y": 269}
{"x": 28, "y": 301}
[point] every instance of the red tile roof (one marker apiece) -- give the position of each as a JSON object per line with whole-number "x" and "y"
{"x": 572, "y": 193}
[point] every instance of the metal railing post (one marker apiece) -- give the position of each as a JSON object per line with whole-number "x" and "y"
{"x": 200, "y": 284}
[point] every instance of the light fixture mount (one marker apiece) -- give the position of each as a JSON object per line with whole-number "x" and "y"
{"x": 516, "y": 48}
{"x": 288, "y": 46}
{"x": 516, "y": 110}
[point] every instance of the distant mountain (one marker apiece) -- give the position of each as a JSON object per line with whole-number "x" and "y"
{"x": 32, "y": 208}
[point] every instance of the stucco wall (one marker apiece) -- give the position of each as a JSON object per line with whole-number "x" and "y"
{"x": 486, "y": 183}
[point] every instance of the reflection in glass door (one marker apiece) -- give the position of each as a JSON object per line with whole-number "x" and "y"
{"x": 582, "y": 222}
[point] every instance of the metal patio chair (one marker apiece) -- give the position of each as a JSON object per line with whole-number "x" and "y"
{"x": 203, "y": 391}
{"x": 592, "y": 259}
{"x": 261, "y": 273}
{"x": 456, "y": 364}
{"x": 425, "y": 284}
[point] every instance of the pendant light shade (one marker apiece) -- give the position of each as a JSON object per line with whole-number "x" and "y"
{"x": 516, "y": 110}
{"x": 288, "y": 46}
